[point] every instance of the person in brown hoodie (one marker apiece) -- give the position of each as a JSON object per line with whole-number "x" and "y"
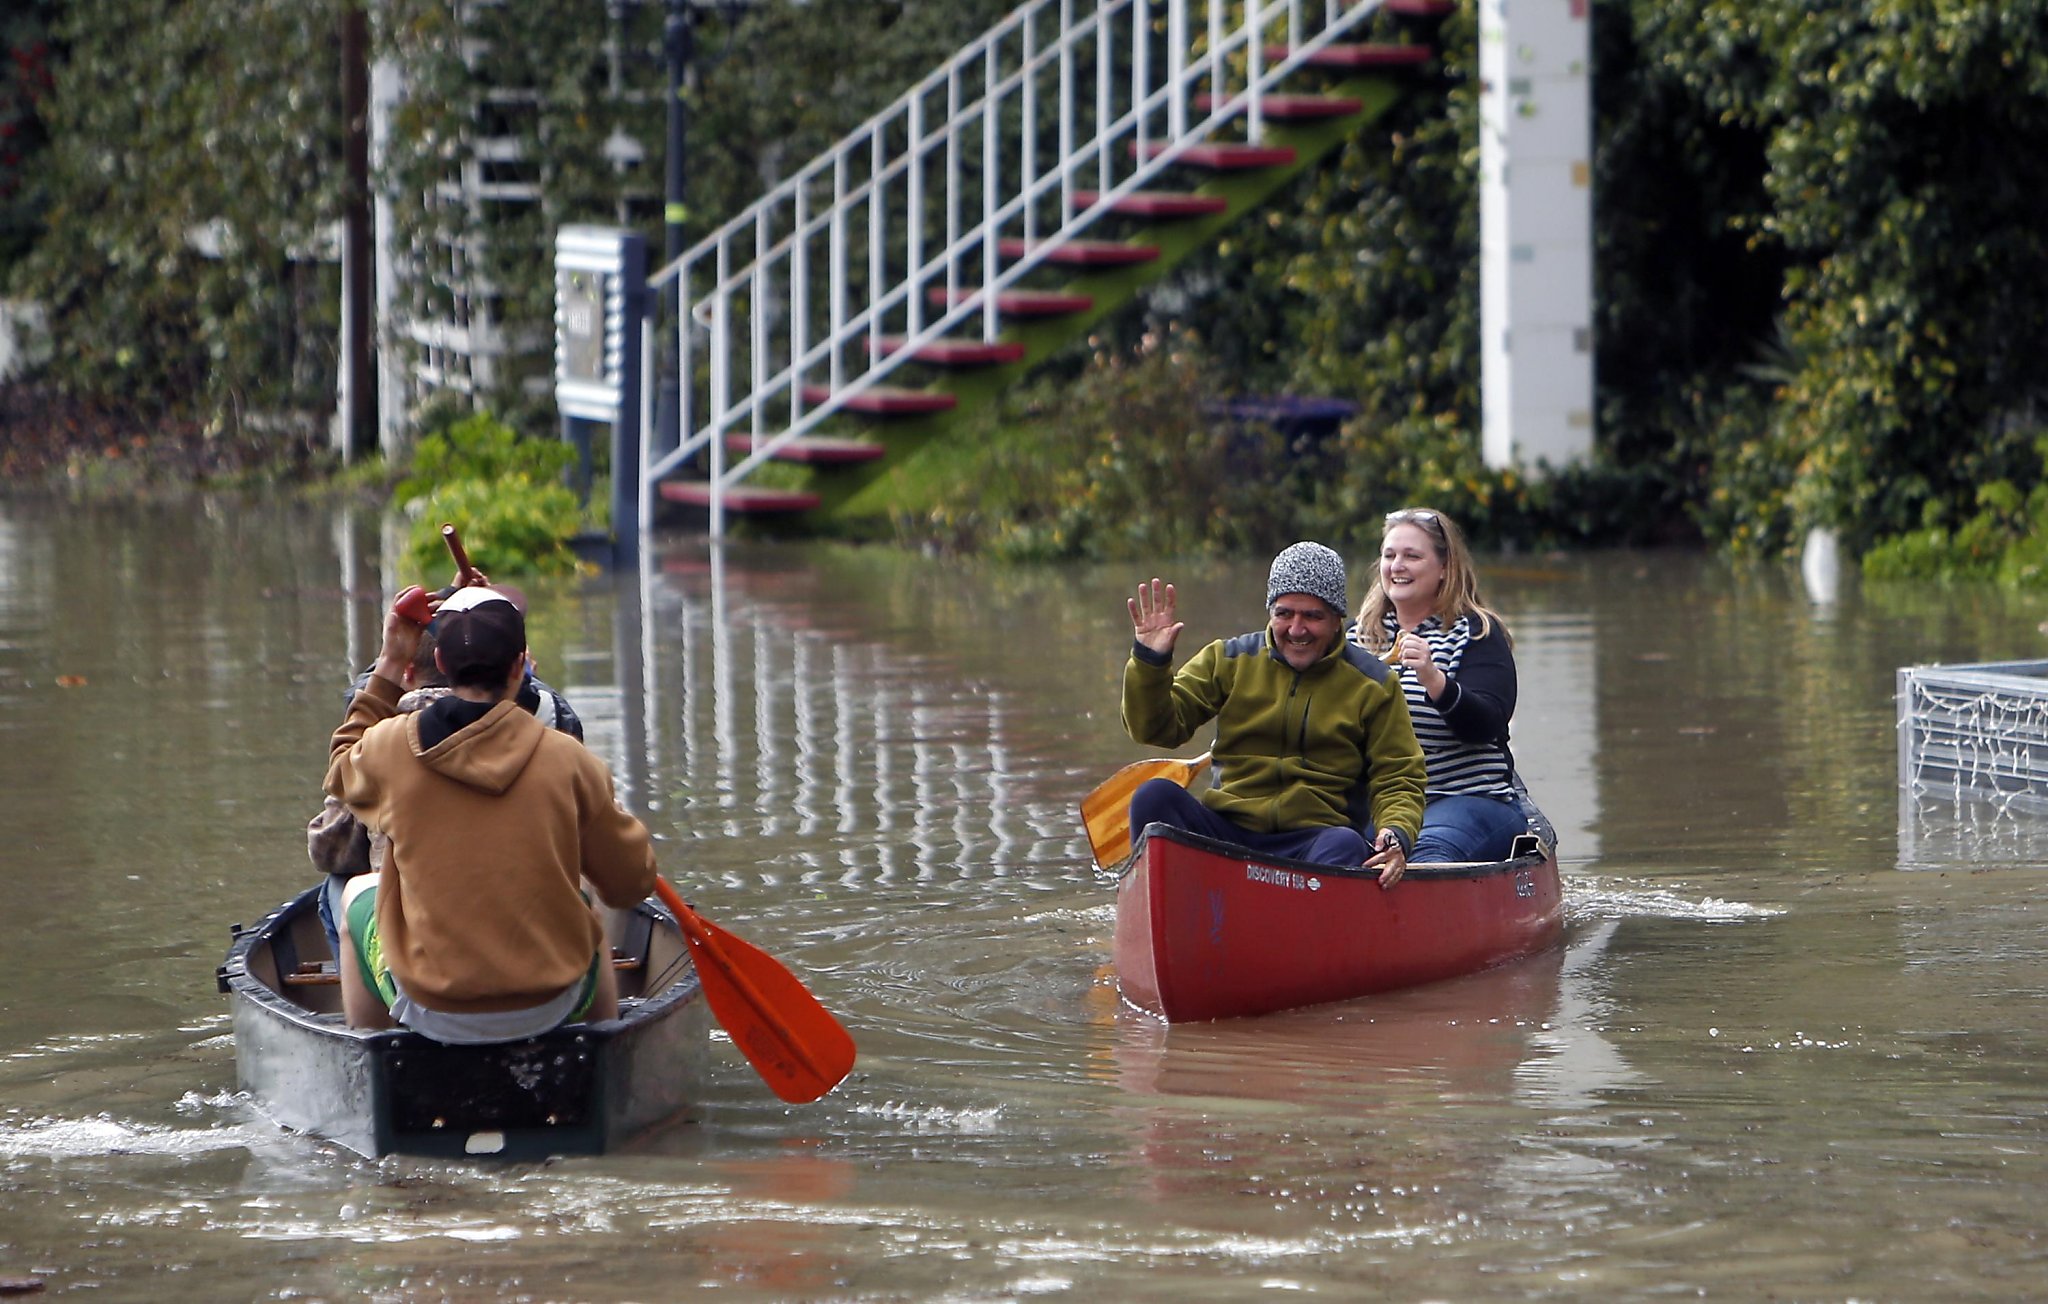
{"x": 338, "y": 844}
{"x": 479, "y": 927}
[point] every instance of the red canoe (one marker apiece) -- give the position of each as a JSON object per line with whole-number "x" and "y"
{"x": 1204, "y": 930}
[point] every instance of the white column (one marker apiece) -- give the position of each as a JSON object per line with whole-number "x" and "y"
{"x": 1535, "y": 232}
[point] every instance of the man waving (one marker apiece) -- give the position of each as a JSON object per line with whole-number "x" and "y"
{"x": 1313, "y": 740}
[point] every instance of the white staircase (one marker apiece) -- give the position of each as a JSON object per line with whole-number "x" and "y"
{"x": 907, "y": 241}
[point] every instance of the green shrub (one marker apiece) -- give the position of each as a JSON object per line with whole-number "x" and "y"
{"x": 1122, "y": 461}
{"x": 513, "y": 525}
{"x": 481, "y": 447}
{"x": 2002, "y": 541}
{"x": 503, "y": 492}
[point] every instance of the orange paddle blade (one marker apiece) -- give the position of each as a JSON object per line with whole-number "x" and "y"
{"x": 1106, "y": 811}
{"x": 792, "y": 1041}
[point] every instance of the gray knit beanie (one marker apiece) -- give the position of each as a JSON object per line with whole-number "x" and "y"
{"x": 1312, "y": 569}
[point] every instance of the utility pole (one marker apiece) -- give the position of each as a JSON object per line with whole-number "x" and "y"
{"x": 357, "y": 434}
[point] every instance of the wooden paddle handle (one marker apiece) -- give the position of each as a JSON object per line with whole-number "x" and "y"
{"x": 464, "y": 572}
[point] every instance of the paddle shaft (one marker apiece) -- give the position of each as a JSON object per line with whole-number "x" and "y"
{"x": 701, "y": 936}
{"x": 464, "y": 572}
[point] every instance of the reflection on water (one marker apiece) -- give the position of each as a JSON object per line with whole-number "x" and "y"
{"x": 1469, "y": 1037}
{"x": 1954, "y": 830}
{"x": 786, "y": 713}
{"x": 1571, "y": 1066}
{"x": 784, "y": 709}
{"x": 1758, "y": 1038}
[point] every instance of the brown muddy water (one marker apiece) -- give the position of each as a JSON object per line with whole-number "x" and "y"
{"x": 1793, "y": 1046}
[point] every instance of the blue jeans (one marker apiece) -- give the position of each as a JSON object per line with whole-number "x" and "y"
{"x": 1468, "y": 828}
{"x": 1162, "y": 801}
{"x": 330, "y": 910}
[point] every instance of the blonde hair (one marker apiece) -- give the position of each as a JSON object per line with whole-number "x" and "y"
{"x": 1459, "y": 595}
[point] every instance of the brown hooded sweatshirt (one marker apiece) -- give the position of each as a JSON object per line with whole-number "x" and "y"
{"x": 478, "y": 904}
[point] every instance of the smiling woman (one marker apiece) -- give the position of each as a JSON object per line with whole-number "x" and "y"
{"x": 1457, "y": 672}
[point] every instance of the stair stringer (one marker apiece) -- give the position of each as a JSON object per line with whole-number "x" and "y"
{"x": 862, "y": 499}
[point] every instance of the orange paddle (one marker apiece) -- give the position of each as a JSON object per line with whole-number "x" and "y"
{"x": 1106, "y": 812}
{"x": 792, "y": 1041}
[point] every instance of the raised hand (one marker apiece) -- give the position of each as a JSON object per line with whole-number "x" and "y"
{"x": 1152, "y": 616}
{"x": 401, "y": 640}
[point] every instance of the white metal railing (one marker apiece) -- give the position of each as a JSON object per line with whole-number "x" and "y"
{"x": 797, "y": 291}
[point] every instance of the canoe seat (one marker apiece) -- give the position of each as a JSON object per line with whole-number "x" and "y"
{"x": 322, "y": 973}
{"x": 314, "y": 973}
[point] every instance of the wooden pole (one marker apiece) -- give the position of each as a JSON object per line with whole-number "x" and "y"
{"x": 358, "y": 434}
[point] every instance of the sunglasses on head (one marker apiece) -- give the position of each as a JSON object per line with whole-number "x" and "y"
{"x": 1414, "y": 515}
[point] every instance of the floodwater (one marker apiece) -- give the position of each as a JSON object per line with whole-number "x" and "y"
{"x": 1777, "y": 1056}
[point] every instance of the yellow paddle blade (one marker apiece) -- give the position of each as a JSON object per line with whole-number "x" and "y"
{"x": 1106, "y": 811}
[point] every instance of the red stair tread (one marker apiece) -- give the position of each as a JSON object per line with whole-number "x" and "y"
{"x": 822, "y": 450}
{"x": 956, "y": 353}
{"x": 1157, "y": 203}
{"x": 697, "y": 493}
{"x": 1295, "y": 108}
{"x": 886, "y": 400}
{"x": 1019, "y": 303}
{"x": 1223, "y": 157}
{"x": 1082, "y": 253}
{"x": 1370, "y": 55}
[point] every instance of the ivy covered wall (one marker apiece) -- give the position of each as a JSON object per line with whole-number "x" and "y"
{"x": 178, "y": 132}
{"x": 27, "y": 76}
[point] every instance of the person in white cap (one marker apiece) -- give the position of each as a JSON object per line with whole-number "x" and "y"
{"x": 478, "y": 927}
{"x": 336, "y": 842}
{"x": 1313, "y": 740}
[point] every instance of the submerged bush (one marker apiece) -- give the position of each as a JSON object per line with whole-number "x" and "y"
{"x": 503, "y": 492}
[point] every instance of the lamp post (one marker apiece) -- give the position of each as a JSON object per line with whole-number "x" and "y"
{"x": 678, "y": 44}
{"x": 679, "y": 50}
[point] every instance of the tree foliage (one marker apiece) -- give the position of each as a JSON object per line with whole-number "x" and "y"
{"x": 27, "y": 76}
{"x": 1905, "y": 145}
{"x": 190, "y": 178}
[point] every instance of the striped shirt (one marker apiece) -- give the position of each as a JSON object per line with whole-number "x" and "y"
{"x": 1464, "y": 735}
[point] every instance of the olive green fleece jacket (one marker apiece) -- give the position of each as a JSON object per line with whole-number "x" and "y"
{"x": 1295, "y": 749}
{"x": 479, "y": 903}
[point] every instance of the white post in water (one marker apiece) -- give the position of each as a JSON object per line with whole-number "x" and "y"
{"x": 1535, "y": 232}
